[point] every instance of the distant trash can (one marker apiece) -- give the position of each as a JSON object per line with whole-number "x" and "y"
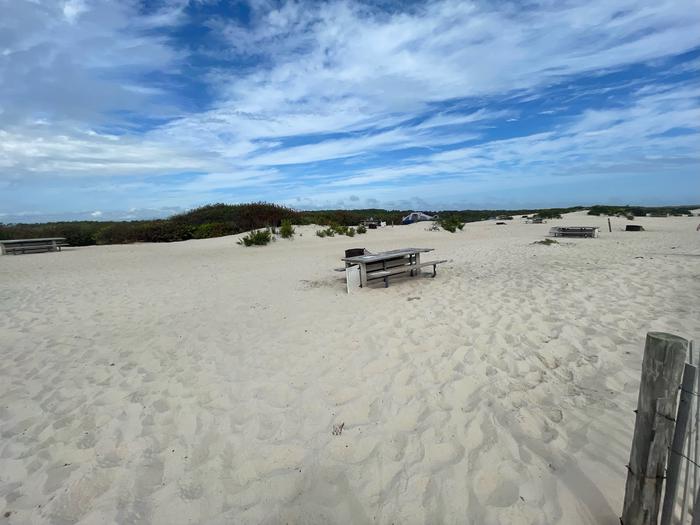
{"x": 354, "y": 252}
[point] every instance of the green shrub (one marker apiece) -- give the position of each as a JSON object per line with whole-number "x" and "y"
{"x": 450, "y": 223}
{"x": 213, "y": 229}
{"x": 321, "y": 233}
{"x": 548, "y": 214}
{"x": 350, "y": 232}
{"x": 340, "y": 229}
{"x": 286, "y": 230}
{"x": 257, "y": 238}
{"x": 361, "y": 229}
{"x": 163, "y": 231}
{"x": 245, "y": 217}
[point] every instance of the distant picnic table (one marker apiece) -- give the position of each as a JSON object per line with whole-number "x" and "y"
{"x": 390, "y": 263}
{"x": 47, "y": 244}
{"x": 574, "y": 231}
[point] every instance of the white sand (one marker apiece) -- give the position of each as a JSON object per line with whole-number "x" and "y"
{"x": 199, "y": 382}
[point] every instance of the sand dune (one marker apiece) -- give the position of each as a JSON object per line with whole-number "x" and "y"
{"x": 199, "y": 382}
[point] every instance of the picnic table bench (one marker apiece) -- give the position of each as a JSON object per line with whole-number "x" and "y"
{"x": 16, "y": 246}
{"x": 387, "y": 264}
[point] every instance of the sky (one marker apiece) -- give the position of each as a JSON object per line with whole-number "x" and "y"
{"x": 139, "y": 109}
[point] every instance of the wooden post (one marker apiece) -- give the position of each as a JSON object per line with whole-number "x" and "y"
{"x": 696, "y": 510}
{"x": 363, "y": 275}
{"x": 609, "y": 225}
{"x": 674, "y": 461}
{"x": 662, "y": 366}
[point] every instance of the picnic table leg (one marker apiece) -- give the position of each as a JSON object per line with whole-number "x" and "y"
{"x": 363, "y": 275}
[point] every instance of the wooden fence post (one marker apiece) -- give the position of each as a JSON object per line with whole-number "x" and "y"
{"x": 674, "y": 461}
{"x": 662, "y": 367}
{"x": 696, "y": 509}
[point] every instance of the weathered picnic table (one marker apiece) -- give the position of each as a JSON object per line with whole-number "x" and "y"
{"x": 386, "y": 264}
{"x": 47, "y": 244}
{"x": 574, "y": 231}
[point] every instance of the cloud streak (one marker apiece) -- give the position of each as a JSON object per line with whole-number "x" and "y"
{"x": 292, "y": 102}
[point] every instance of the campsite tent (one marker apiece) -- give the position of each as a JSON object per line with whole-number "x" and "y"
{"x": 417, "y": 216}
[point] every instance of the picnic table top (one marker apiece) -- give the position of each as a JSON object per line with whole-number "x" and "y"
{"x": 9, "y": 241}
{"x": 383, "y": 256}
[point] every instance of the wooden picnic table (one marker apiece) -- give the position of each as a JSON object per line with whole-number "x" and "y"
{"x": 393, "y": 262}
{"x": 46, "y": 244}
{"x": 574, "y": 231}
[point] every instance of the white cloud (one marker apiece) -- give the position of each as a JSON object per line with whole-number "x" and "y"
{"x": 343, "y": 82}
{"x": 72, "y": 9}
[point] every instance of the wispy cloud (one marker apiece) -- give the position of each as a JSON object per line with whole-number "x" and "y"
{"x": 299, "y": 101}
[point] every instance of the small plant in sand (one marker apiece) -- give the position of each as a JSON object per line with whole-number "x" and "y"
{"x": 546, "y": 242}
{"x": 361, "y": 229}
{"x": 256, "y": 238}
{"x": 287, "y": 230}
{"x": 547, "y": 214}
{"x": 334, "y": 229}
{"x": 339, "y": 229}
{"x": 450, "y": 223}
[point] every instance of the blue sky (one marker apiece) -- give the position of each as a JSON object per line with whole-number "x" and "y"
{"x": 138, "y": 109}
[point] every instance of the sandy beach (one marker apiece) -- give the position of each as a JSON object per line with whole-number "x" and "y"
{"x": 199, "y": 382}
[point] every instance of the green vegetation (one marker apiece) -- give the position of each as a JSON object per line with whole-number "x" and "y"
{"x": 257, "y": 238}
{"x": 226, "y": 219}
{"x": 361, "y": 229}
{"x": 338, "y": 229}
{"x": 546, "y": 242}
{"x": 640, "y": 211}
{"x": 212, "y": 229}
{"x": 450, "y": 223}
{"x": 548, "y": 214}
{"x": 286, "y": 230}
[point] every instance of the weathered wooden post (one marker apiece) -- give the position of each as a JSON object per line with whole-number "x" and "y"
{"x": 696, "y": 510}
{"x": 662, "y": 367}
{"x": 674, "y": 461}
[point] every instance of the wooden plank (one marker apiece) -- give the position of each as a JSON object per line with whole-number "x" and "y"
{"x": 662, "y": 366}
{"x": 674, "y": 461}
{"x": 402, "y": 269}
{"x": 44, "y": 239}
{"x": 430, "y": 263}
{"x": 383, "y": 256}
{"x": 21, "y": 248}
{"x": 35, "y": 248}
{"x": 363, "y": 275}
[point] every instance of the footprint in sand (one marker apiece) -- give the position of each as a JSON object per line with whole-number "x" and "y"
{"x": 555, "y": 415}
{"x": 190, "y": 489}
